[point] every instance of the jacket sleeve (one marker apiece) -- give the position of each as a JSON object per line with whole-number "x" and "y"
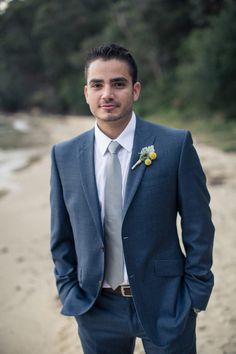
{"x": 62, "y": 245}
{"x": 197, "y": 227}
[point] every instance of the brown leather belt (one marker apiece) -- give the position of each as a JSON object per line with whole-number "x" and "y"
{"x": 123, "y": 290}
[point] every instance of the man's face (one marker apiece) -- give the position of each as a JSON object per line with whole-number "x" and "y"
{"x": 109, "y": 91}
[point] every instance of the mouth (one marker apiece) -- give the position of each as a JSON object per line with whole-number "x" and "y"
{"x": 108, "y": 106}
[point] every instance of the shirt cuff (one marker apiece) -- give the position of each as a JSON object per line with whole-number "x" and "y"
{"x": 196, "y": 311}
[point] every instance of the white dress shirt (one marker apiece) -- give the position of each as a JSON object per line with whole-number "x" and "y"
{"x": 125, "y": 139}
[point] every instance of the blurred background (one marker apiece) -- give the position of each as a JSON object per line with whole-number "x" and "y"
{"x": 185, "y": 51}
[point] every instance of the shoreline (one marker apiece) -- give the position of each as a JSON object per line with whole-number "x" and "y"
{"x": 14, "y": 161}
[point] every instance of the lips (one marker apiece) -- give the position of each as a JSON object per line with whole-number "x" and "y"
{"x": 108, "y": 106}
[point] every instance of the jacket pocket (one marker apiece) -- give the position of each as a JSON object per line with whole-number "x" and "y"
{"x": 155, "y": 181}
{"x": 169, "y": 267}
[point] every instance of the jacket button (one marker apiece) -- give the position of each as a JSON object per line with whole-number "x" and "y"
{"x": 102, "y": 248}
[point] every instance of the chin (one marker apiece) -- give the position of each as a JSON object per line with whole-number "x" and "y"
{"x": 110, "y": 118}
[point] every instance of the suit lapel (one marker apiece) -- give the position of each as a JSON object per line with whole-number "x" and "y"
{"x": 143, "y": 137}
{"x": 87, "y": 172}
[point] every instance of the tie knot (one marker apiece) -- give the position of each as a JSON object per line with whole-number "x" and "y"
{"x": 114, "y": 147}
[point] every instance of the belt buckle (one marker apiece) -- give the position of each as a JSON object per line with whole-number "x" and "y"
{"x": 122, "y": 288}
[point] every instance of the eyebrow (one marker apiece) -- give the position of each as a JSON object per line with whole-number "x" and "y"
{"x": 119, "y": 79}
{"x": 116, "y": 79}
{"x": 95, "y": 81}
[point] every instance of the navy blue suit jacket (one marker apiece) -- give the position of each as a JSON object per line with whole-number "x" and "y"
{"x": 165, "y": 283}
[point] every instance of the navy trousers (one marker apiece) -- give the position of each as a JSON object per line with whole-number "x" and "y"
{"x": 111, "y": 326}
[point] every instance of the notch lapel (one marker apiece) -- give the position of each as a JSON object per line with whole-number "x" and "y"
{"x": 142, "y": 137}
{"x": 87, "y": 172}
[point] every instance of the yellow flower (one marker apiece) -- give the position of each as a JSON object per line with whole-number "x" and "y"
{"x": 147, "y": 162}
{"x": 152, "y": 155}
{"x": 146, "y": 155}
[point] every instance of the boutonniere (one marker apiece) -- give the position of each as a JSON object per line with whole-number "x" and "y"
{"x": 146, "y": 155}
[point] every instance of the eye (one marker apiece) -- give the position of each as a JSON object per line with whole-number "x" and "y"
{"x": 119, "y": 84}
{"x": 96, "y": 85}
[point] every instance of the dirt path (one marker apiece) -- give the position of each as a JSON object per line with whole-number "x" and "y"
{"x": 30, "y": 319}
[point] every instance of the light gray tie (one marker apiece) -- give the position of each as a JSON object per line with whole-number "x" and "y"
{"x": 114, "y": 267}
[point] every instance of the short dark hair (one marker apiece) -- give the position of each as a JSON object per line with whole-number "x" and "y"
{"x": 112, "y": 51}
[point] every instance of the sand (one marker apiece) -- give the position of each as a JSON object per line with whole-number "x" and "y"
{"x": 30, "y": 310}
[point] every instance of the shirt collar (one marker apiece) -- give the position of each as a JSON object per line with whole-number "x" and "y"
{"x": 125, "y": 139}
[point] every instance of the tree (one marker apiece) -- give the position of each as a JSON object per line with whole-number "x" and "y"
{"x": 44, "y": 44}
{"x": 207, "y": 73}
{"x": 20, "y": 64}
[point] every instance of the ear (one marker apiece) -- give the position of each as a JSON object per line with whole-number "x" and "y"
{"x": 136, "y": 90}
{"x": 86, "y": 93}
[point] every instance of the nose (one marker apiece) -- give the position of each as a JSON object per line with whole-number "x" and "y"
{"x": 107, "y": 92}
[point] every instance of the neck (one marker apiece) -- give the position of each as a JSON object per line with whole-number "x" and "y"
{"x": 113, "y": 129}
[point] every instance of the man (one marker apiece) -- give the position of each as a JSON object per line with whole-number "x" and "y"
{"x": 116, "y": 191}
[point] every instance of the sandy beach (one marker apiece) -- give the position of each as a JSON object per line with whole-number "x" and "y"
{"x": 30, "y": 310}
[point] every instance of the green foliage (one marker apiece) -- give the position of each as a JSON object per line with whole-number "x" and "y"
{"x": 212, "y": 130}
{"x": 20, "y": 62}
{"x": 185, "y": 52}
{"x": 207, "y": 73}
